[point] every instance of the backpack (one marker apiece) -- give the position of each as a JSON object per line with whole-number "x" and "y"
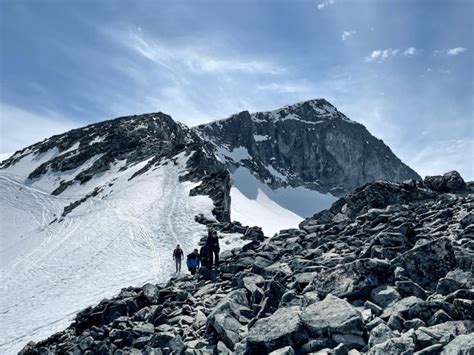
{"x": 192, "y": 261}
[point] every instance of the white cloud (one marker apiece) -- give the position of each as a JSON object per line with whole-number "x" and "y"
{"x": 379, "y": 55}
{"x": 194, "y": 58}
{"x": 410, "y": 52}
{"x": 456, "y": 51}
{"x": 324, "y": 4}
{"x": 347, "y": 34}
{"x": 287, "y": 87}
{"x": 21, "y": 128}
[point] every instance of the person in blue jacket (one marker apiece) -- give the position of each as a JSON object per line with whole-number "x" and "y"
{"x": 193, "y": 261}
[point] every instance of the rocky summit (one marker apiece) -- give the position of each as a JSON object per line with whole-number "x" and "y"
{"x": 388, "y": 269}
{"x": 309, "y": 144}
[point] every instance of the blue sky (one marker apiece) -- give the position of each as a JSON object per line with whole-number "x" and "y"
{"x": 402, "y": 68}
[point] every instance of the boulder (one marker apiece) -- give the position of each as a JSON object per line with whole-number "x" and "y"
{"x": 287, "y": 350}
{"x": 455, "y": 280}
{"x": 461, "y": 345}
{"x": 332, "y": 316}
{"x": 353, "y": 280}
{"x": 400, "y": 345}
{"x": 449, "y": 182}
{"x": 384, "y": 296}
{"x": 453, "y": 181}
{"x": 283, "y": 328}
{"x": 228, "y": 329}
{"x": 410, "y": 288}
{"x": 442, "y": 333}
{"x": 380, "y": 334}
{"x": 400, "y": 306}
{"x": 429, "y": 262}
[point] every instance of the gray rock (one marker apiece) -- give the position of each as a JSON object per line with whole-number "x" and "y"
{"x": 461, "y": 345}
{"x": 400, "y": 306}
{"x": 442, "y": 333}
{"x": 410, "y": 288}
{"x": 455, "y": 280}
{"x": 332, "y": 316}
{"x": 380, "y": 334}
{"x": 401, "y": 345}
{"x": 429, "y": 262}
{"x": 282, "y": 328}
{"x": 228, "y": 328}
{"x": 413, "y": 323}
{"x": 287, "y": 350}
{"x": 353, "y": 280}
{"x": 384, "y": 296}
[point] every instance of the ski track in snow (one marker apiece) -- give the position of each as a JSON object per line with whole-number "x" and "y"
{"x": 50, "y": 272}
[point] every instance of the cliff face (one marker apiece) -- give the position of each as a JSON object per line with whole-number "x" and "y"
{"x": 308, "y": 144}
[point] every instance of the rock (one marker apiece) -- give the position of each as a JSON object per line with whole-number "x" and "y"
{"x": 400, "y": 306}
{"x": 410, "y": 288}
{"x": 465, "y": 308}
{"x": 222, "y": 349}
{"x": 380, "y": 334}
{"x": 395, "y": 322}
{"x": 430, "y": 350}
{"x": 413, "y": 323}
{"x": 353, "y": 280}
{"x": 253, "y": 282}
{"x": 287, "y": 350}
{"x": 384, "y": 296}
{"x": 317, "y": 344}
{"x": 439, "y": 317}
{"x": 349, "y": 340}
{"x": 429, "y": 262}
{"x": 461, "y": 345}
{"x": 426, "y": 309}
{"x": 332, "y": 316}
{"x": 455, "y": 280}
{"x": 449, "y": 182}
{"x": 228, "y": 328}
{"x": 399, "y": 345}
{"x": 436, "y": 182}
{"x": 442, "y": 333}
{"x": 453, "y": 181}
{"x": 282, "y": 328}
{"x": 376, "y": 310}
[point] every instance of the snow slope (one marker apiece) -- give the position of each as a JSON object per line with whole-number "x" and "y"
{"x": 255, "y": 203}
{"x": 123, "y": 236}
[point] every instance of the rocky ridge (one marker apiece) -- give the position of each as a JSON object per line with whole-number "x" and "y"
{"x": 309, "y": 144}
{"x": 386, "y": 270}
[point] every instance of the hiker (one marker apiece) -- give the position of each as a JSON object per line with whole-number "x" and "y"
{"x": 193, "y": 261}
{"x": 213, "y": 248}
{"x": 177, "y": 256}
{"x": 204, "y": 253}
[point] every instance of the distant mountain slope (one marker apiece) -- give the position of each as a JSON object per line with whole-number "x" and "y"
{"x": 309, "y": 144}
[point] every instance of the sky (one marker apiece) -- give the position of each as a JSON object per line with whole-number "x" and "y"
{"x": 402, "y": 68}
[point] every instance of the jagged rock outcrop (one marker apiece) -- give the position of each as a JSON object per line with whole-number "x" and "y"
{"x": 304, "y": 290}
{"x": 308, "y": 144}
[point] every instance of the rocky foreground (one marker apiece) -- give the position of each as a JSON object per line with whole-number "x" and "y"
{"x": 386, "y": 270}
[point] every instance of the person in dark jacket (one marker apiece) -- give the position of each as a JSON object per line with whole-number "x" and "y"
{"x": 204, "y": 253}
{"x": 213, "y": 248}
{"x": 177, "y": 256}
{"x": 193, "y": 261}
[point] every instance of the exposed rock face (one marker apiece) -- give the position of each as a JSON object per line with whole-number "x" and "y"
{"x": 308, "y": 144}
{"x": 304, "y": 291}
